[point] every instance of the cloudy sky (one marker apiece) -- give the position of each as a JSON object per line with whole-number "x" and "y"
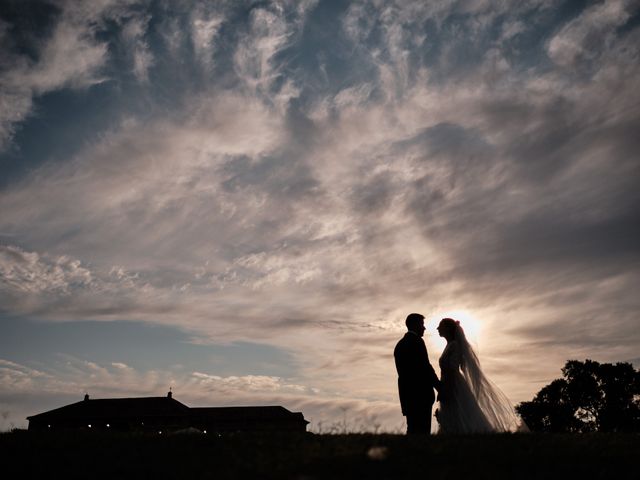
{"x": 244, "y": 199}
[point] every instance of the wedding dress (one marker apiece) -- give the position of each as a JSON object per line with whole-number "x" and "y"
{"x": 469, "y": 401}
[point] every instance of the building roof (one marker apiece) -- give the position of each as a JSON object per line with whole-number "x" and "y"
{"x": 117, "y": 408}
{"x": 245, "y": 413}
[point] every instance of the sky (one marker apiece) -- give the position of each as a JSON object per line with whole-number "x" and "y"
{"x": 243, "y": 200}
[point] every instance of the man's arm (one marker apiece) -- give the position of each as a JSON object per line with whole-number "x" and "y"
{"x": 431, "y": 373}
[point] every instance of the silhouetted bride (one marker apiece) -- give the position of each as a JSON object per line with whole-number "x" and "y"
{"x": 469, "y": 401}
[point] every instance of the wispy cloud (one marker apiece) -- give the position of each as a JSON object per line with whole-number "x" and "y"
{"x": 204, "y": 30}
{"x": 593, "y": 32}
{"x": 133, "y": 33}
{"x": 72, "y": 56}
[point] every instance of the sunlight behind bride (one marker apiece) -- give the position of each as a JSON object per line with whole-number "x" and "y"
{"x": 471, "y": 325}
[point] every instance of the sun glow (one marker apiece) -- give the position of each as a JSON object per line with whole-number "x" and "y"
{"x": 472, "y": 326}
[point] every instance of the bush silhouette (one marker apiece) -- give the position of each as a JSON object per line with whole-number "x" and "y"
{"x": 591, "y": 397}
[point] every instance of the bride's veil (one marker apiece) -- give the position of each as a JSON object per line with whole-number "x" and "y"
{"x": 493, "y": 402}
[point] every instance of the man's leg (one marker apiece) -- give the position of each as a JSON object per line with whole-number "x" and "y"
{"x": 419, "y": 423}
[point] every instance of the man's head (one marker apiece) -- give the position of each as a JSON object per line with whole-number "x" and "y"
{"x": 415, "y": 323}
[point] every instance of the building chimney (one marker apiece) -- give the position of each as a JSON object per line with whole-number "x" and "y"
{"x": 169, "y": 394}
{"x": 86, "y": 397}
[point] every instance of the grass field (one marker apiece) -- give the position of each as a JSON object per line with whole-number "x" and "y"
{"x": 112, "y": 455}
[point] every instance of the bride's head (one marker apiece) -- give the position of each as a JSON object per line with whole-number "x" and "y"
{"x": 449, "y": 328}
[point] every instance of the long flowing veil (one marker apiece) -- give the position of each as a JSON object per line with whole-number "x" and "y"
{"x": 493, "y": 402}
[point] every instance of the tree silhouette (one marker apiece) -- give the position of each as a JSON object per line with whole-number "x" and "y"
{"x": 591, "y": 397}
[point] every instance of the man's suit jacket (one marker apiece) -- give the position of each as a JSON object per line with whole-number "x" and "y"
{"x": 416, "y": 377}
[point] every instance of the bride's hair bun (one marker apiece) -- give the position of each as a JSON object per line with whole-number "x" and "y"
{"x": 458, "y": 322}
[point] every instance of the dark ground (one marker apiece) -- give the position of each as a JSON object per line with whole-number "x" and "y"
{"x": 110, "y": 455}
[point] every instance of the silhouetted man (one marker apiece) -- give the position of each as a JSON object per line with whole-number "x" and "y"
{"x": 416, "y": 377}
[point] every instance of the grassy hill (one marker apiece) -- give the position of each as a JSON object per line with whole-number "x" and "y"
{"x": 524, "y": 456}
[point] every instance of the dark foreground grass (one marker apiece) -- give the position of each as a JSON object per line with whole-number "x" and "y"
{"x": 111, "y": 455}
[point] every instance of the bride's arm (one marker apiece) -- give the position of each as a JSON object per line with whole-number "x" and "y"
{"x": 449, "y": 365}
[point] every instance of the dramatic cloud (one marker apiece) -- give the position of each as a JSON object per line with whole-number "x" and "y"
{"x": 70, "y": 56}
{"x": 302, "y": 175}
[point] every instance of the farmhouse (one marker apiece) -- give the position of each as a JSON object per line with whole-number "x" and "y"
{"x": 165, "y": 414}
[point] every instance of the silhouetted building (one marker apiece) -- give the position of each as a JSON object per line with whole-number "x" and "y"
{"x": 165, "y": 414}
{"x": 229, "y": 419}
